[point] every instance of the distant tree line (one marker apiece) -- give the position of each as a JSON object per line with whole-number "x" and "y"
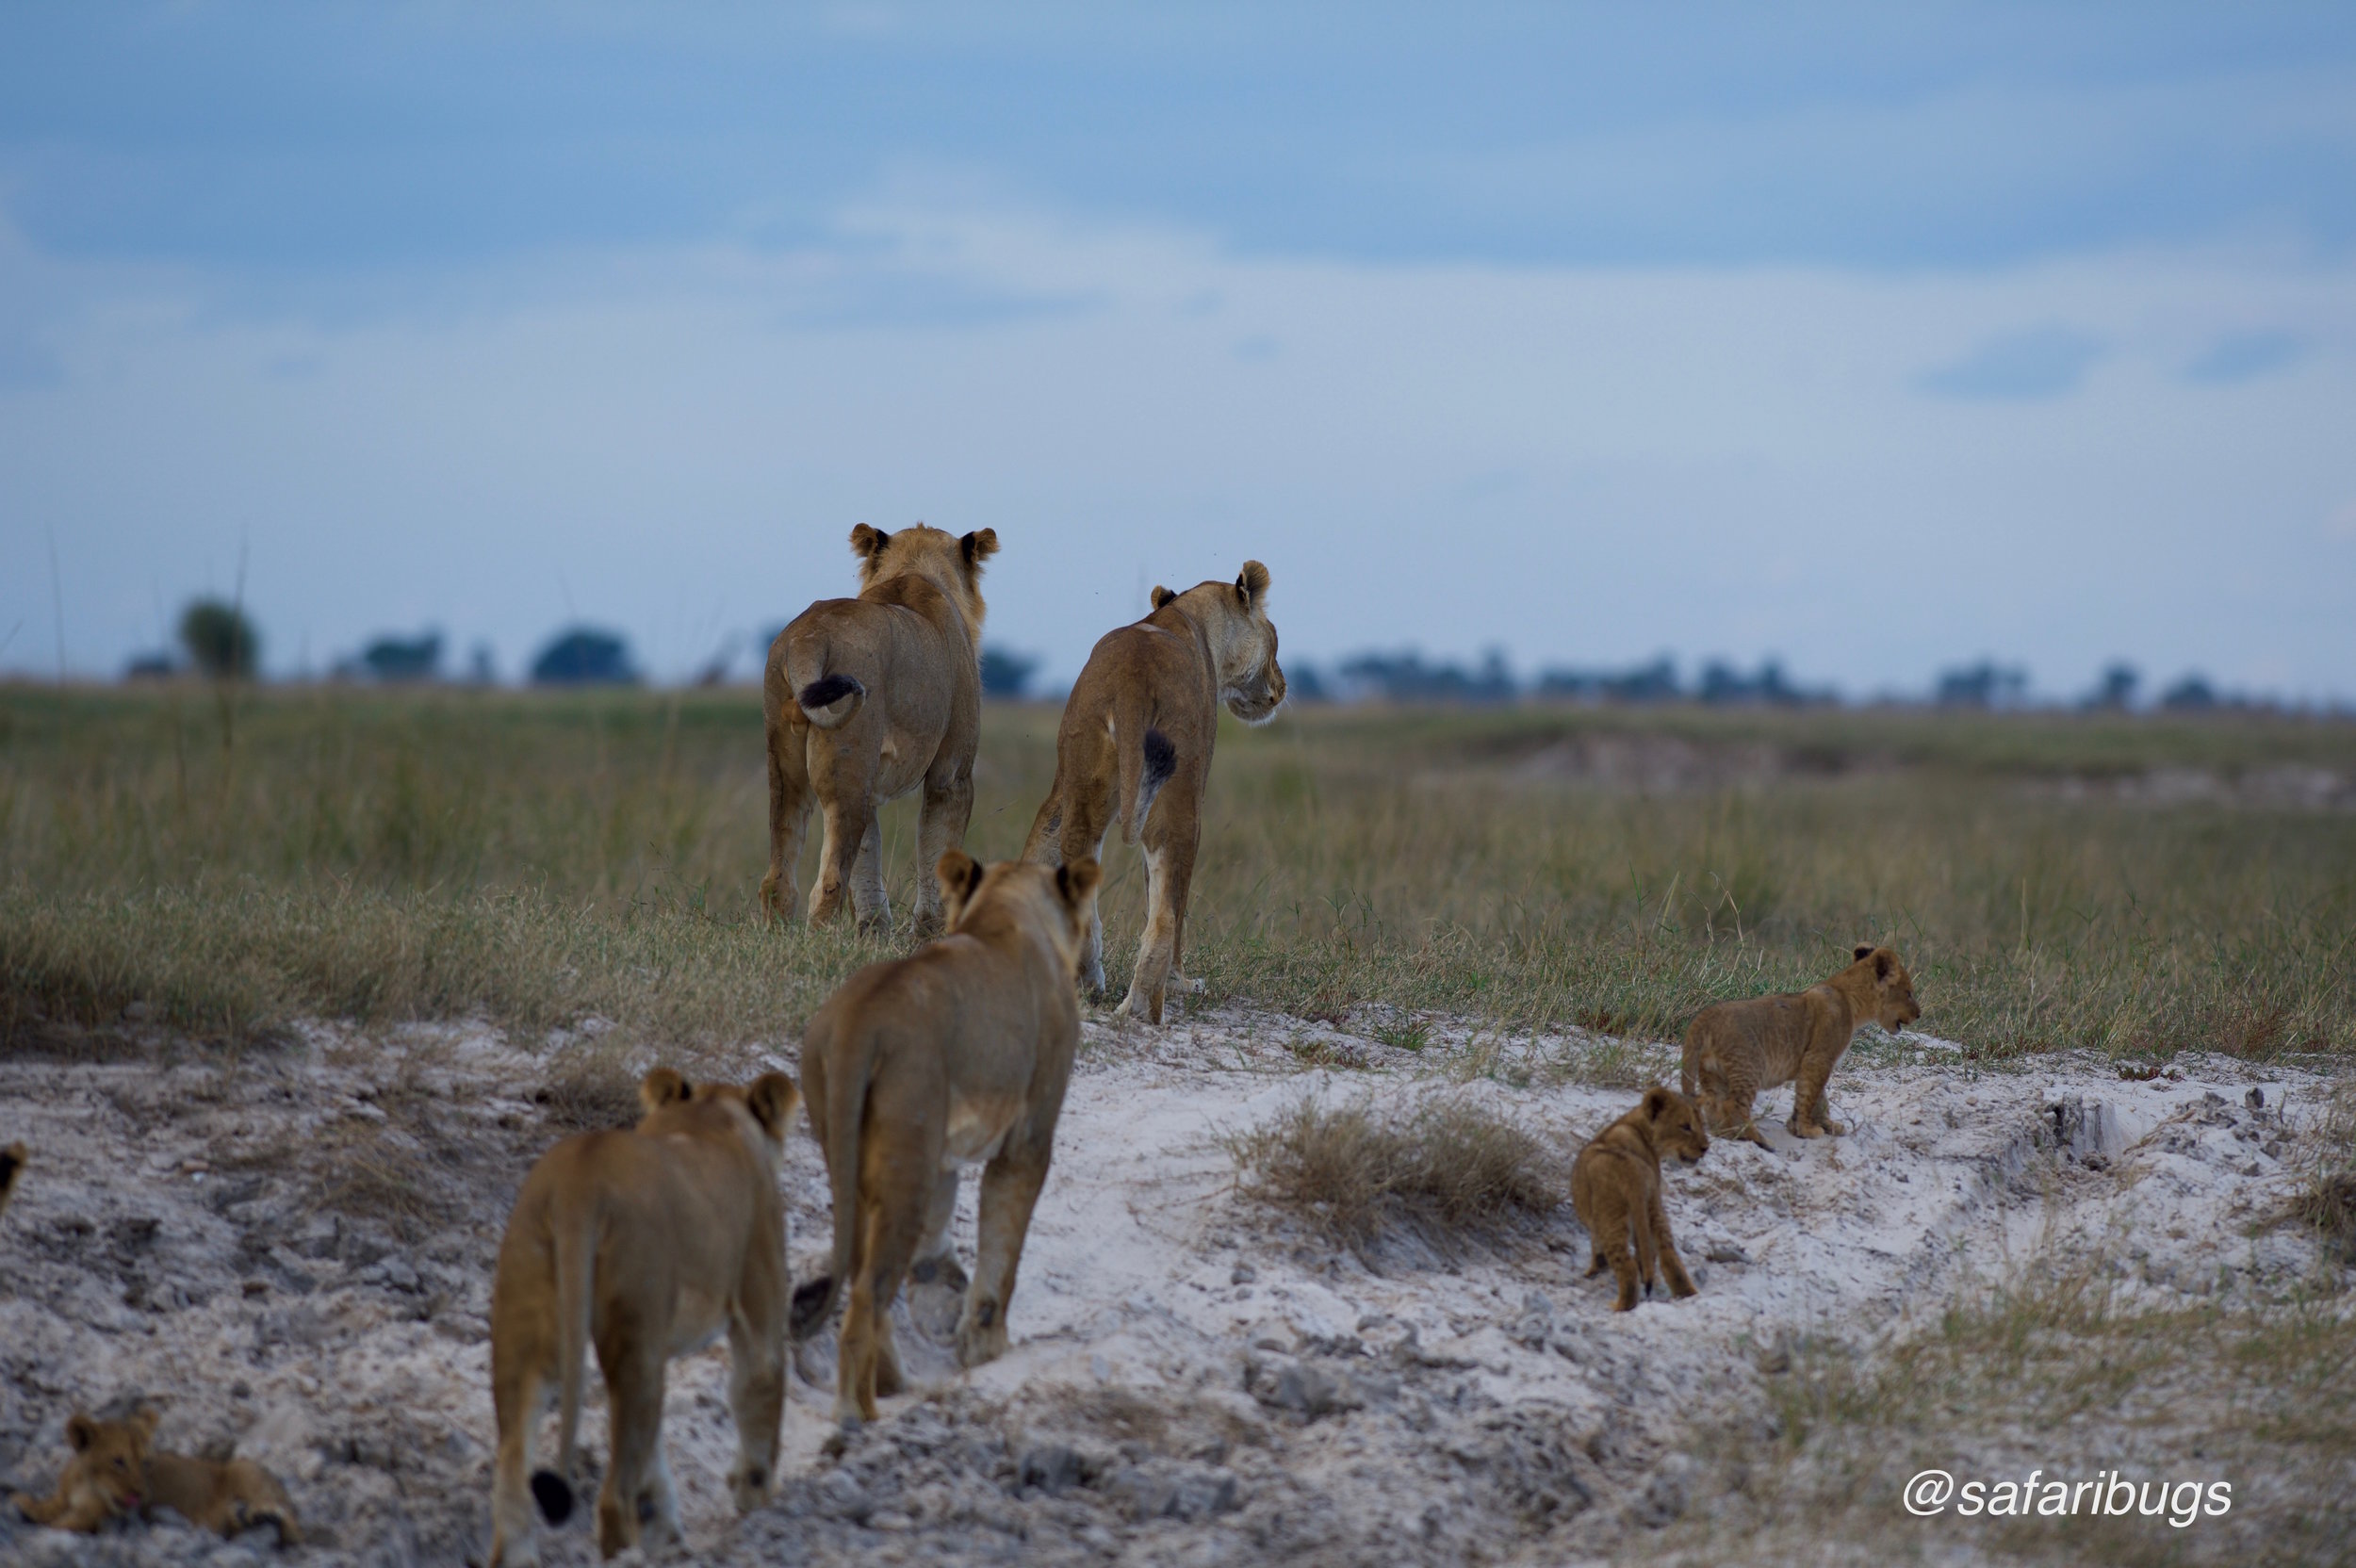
{"x": 218, "y": 641}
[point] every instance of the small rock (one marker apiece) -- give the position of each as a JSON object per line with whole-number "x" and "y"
{"x": 1051, "y": 1468}
{"x": 842, "y": 1495}
{"x": 1244, "y": 1274}
{"x": 2256, "y": 1099}
{"x": 1720, "y": 1250}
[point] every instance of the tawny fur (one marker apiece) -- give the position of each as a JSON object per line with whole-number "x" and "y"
{"x": 114, "y": 1471}
{"x": 1735, "y": 1051}
{"x": 1134, "y": 750}
{"x": 958, "y": 1054}
{"x": 866, "y": 699}
{"x": 1615, "y": 1187}
{"x": 644, "y": 1245}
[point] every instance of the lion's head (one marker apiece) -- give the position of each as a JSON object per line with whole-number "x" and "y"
{"x": 1894, "y": 1006}
{"x": 110, "y": 1457}
{"x": 949, "y": 561}
{"x": 1243, "y": 639}
{"x": 1059, "y": 899}
{"x": 769, "y": 1099}
{"x": 1676, "y": 1126}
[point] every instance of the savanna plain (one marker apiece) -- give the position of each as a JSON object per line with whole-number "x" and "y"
{"x": 295, "y": 983}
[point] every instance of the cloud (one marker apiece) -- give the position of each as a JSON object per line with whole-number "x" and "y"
{"x": 2041, "y": 361}
{"x": 2244, "y": 356}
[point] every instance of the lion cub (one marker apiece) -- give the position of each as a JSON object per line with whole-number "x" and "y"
{"x": 957, "y": 1054}
{"x": 1737, "y": 1049}
{"x": 644, "y": 1245}
{"x": 1615, "y": 1188}
{"x": 113, "y": 1471}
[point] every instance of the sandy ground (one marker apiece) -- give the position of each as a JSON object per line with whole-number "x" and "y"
{"x": 294, "y": 1257}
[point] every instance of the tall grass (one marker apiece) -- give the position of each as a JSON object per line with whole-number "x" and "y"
{"x": 235, "y": 862}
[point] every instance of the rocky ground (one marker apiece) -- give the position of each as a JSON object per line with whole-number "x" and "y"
{"x": 291, "y": 1253}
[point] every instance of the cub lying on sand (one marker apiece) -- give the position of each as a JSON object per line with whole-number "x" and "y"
{"x": 113, "y": 1471}
{"x": 867, "y": 698}
{"x": 1134, "y": 749}
{"x": 646, "y": 1244}
{"x": 956, "y": 1055}
{"x": 1615, "y": 1186}
{"x": 1736, "y": 1049}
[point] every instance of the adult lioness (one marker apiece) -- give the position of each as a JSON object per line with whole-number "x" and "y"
{"x": 957, "y": 1054}
{"x": 1134, "y": 749}
{"x": 1734, "y": 1049}
{"x": 1615, "y": 1188}
{"x": 866, "y": 699}
{"x": 645, "y": 1244}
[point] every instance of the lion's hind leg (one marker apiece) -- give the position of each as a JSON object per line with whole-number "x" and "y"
{"x": 1671, "y": 1266}
{"x": 634, "y": 1472}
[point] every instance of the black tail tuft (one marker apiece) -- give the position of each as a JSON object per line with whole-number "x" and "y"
{"x": 807, "y": 1316}
{"x": 827, "y": 690}
{"x": 1161, "y": 760}
{"x": 555, "y": 1497}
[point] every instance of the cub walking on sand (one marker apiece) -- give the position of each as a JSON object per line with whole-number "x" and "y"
{"x": 642, "y": 1245}
{"x": 1737, "y": 1049}
{"x": 957, "y": 1054}
{"x": 1615, "y": 1188}
{"x": 1135, "y": 749}
{"x": 865, "y": 699}
{"x": 114, "y": 1471}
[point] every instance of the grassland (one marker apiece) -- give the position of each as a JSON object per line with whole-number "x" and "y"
{"x": 225, "y": 861}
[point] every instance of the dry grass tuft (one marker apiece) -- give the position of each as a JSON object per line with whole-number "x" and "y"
{"x": 590, "y": 1091}
{"x": 1445, "y": 1166}
{"x": 380, "y": 1173}
{"x": 2328, "y": 1200}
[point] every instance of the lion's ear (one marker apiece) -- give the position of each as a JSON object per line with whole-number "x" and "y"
{"x": 867, "y": 543}
{"x": 1881, "y": 964}
{"x": 1077, "y": 881}
{"x": 1655, "y": 1102}
{"x": 145, "y": 1420}
{"x": 1862, "y": 951}
{"x": 81, "y": 1430}
{"x": 979, "y": 547}
{"x": 1251, "y": 583}
{"x": 960, "y": 877}
{"x": 772, "y": 1098}
{"x": 1162, "y": 596}
{"x": 663, "y": 1087}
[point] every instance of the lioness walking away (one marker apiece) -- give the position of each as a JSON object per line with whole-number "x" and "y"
{"x": 866, "y": 699}
{"x": 644, "y": 1245}
{"x": 1615, "y": 1186}
{"x": 957, "y": 1054}
{"x": 1134, "y": 749}
{"x": 1735, "y": 1050}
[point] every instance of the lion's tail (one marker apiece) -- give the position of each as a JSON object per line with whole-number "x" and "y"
{"x": 13, "y": 1160}
{"x": 826, "y": 697}
{"x": 846, "y": 1108}
{"x": 575, "y": 1255}
{"x": 1146, "y": 759}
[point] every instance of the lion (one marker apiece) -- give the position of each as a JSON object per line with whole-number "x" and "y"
{"x": 957, "y": 1054}
{"x": 113, "y": 1471}
{"x": 1735, "y": 1050}
{"x": 910, "y": 642}
{"x": 1615, "y": 1188}
{"x": 645, "y": 1244}
{"x": 13, "y": 1160}
{"x": 1134, "y": 750}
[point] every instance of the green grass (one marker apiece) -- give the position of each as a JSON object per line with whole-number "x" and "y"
{"x": 229, "y": 863}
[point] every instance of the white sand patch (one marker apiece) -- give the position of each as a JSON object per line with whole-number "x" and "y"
{"x": 1193, "y": 1378}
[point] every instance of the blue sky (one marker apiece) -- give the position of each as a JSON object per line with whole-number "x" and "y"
{"x": 1875, "y": 338}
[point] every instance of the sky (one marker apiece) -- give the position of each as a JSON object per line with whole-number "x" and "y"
{"x": 1875, "y": 340}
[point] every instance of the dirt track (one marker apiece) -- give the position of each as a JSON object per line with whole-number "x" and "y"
{"x": 295, "y": 1256}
